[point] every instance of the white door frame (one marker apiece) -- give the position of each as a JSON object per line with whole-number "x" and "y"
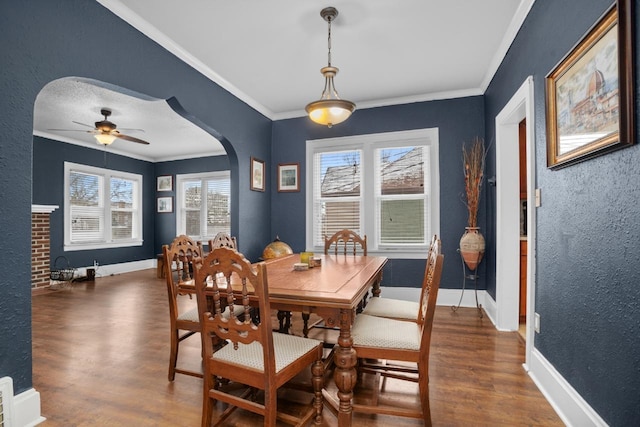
{"x": 519, "y": 107}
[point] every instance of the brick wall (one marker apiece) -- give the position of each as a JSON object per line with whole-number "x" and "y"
{"x": 40, "y": 255}
{"x": 40, "y": 245}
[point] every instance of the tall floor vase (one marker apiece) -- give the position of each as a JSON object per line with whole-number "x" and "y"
{"x": 471, "y": 251}
{"x": 472, "y": 247}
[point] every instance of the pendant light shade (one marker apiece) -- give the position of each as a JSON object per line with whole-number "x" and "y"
{"x": 329, "y": 110}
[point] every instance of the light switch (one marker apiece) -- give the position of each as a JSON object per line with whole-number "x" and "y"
{"x": 538, "y": 198}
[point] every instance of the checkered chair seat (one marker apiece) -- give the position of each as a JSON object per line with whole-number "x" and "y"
{"x": 392, "y": 308}
{"x": 372, "y": 331}
{"x": 288, "y": 349}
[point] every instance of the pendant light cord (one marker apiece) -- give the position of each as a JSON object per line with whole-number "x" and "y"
{"x": 329, "y": 40}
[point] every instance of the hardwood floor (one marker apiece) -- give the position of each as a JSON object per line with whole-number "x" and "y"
{"x": 101, "y": 350}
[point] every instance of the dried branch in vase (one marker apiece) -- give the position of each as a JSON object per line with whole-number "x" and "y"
{"x": 473, "y": 165}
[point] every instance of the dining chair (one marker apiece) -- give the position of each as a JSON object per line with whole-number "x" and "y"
{"x": 183, "y": 311}
{"x": 400, "y": 309}
{"x": 243, "y": 352}
{"x": 221, "y": 240}
{"x": 379, "y": 342}
{"x": 345, "y": 239}
{"x": 178, "y": 258}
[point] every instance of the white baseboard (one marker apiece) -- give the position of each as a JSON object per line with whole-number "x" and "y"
{"x": 572, "y": 409}
{"x": 125, "y": 267}
{"x": 26, "y": 409}
{"x": 449, "y": 297}
{"x": 490, "y": 308}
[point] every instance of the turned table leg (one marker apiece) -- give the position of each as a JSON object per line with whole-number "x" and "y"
{"x": 345, "y": 374}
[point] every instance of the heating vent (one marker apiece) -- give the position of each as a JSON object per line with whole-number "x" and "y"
{"x": 6, "y": 401}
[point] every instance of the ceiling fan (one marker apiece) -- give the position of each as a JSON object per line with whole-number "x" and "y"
{"x": 105, "y": 131}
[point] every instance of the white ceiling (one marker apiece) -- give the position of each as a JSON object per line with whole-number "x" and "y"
{"x": 269, "y": 54}
{"x": 64, "y": 102}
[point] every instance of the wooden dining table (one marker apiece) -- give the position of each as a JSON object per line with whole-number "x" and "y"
{"x": 332, "y": 291}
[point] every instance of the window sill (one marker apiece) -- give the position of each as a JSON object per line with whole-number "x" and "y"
{"x": 395, "y": 253}
{"x": 101, "y": 245}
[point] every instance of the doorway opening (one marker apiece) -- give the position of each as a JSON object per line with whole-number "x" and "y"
{"x": 509, "y": 212}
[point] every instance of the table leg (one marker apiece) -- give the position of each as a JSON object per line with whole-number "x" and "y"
{"x": 284, "y": 320}
{"x": 345, "y": 375}
{"x": 375, "y": 288}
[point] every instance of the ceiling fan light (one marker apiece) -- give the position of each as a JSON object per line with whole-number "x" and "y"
{"x": 104, "y": 138}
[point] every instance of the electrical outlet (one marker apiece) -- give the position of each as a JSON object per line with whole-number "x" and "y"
{"x": 95, "y": 263}
{"x": 536, "y": 322}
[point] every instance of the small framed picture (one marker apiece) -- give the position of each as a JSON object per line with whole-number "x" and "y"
{"x": 257, "y": 174}
{"x": 288, "y": 177}
{"x": 165, "y": 204}
{"x": 165, "y": 183}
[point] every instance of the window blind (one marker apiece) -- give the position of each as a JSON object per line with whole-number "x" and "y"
{"x": 218, "y": 207}
{"x": 205, "y": 204}
{"x": 337, "y": 193}
{"x": 401, "y": 194}
{"x": 123, "y": 208}
{"x": 103, "y": 208}
{"x": 87, "y": 210}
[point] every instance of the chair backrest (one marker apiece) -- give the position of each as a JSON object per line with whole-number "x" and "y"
{"x": 435, "y": 245}
{"x": 430, "y": 287}
{"x": 223, "y": 240}
{"x": 224, "y": 278}
{"x": 343, "y": 239}
{"x": 178, "y": 267}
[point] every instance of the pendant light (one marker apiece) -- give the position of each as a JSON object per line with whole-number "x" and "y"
{"x": 329, "y": 109}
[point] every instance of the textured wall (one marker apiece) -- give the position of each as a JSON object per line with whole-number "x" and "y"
{"x": 458, "y": 120}
{"x": 48, "y": 189}
{"x": 587, "y": 287}
{"x": 166, "y": 223}
{"x": 44, "y": 41}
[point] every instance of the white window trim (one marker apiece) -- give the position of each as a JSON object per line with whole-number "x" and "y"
{"x": 107, "y": 173}
{"x": 180, "y": 198}
{"x": 369, "y": 143}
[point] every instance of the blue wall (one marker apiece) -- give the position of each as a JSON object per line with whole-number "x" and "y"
{"x": 588, "y": 281}
{"x": 44, "y": 41}
{"x": 587, "y": 276}
{"x": 458, "y": 120}
{"x": 48, "y": 189}
{"x": 165, "y": 227}
{"x": 158, "y": 229}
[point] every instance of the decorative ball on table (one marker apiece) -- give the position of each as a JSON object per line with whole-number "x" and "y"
{"x": 276, "y": 249}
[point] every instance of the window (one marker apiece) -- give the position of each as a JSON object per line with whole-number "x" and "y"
{"x": 103, "y": 208}
{"x": 204, "y": 204}
{"x": 383, "y": 185}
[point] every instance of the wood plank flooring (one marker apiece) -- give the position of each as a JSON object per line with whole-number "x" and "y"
{"x": 101, "y": 350}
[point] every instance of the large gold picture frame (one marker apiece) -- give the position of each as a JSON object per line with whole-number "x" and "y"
{"x": 590, "y": 105}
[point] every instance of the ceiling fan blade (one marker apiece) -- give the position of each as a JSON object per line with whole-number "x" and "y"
{"x": 131, "y": 130}
{"x": 69, "y": 130}
{"x": 131, "y": 138}
{"x": 82, "y": 124}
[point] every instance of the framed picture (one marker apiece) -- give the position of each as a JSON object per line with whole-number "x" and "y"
{"x": 288, "y": 177}
{"x": 257, "y": 174}
{"x": 590, "y": 108}
{"x": 165, "y": 183}
{"x": 165, "y": 204}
